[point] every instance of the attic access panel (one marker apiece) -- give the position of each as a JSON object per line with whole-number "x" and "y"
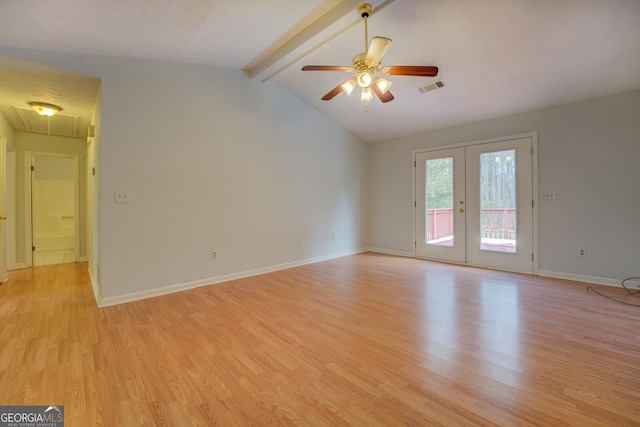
{"x": 61, "y": 124}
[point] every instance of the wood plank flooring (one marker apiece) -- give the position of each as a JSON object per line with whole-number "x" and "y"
{"x": 364, "y": 340}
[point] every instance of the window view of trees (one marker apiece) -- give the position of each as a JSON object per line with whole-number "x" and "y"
{"x": 439, "y": 183}
{"x": 498, "y": 199}
{"x": 498, "y": 179}
{"x": 439, "y": 201}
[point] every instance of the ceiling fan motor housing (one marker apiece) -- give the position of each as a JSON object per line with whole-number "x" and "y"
{"x": 360, "y": 64}
{"x": 365, "y": 10}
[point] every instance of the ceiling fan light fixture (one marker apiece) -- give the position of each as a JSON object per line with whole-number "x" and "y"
{"x": 364, "y": 79}
{"x": 45, "y": 109}
{"x": 367, "y": 64}
{"x": 349, "y": 85}
{"x": 366, "y": 94}
{"x": 382, "y": 84}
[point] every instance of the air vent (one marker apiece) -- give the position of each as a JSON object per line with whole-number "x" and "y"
{"x": 431, "y": 86}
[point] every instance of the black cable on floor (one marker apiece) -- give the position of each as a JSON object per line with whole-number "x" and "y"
{"x": 630, "y": 292}
{"x": 635, "y": 292}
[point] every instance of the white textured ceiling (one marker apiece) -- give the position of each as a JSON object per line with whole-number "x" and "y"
{"x": 496, "y": 57}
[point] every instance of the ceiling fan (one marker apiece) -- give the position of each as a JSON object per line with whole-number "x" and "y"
{"x": 367, "y": 64}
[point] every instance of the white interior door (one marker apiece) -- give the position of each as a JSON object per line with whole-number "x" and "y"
{"x": 474, "y": 204}
{"x": 54, "y": 209}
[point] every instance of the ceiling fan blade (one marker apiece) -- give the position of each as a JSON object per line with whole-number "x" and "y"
{"x": 333, "y": 92}
{"x": 326, "y": 68}
{"x": 411, "y": 70}
{"x": 377, "y": 49}
{"x": 384, "y": 97}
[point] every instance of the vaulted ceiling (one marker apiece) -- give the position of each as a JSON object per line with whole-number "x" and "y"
{"x": 496, "y": 57}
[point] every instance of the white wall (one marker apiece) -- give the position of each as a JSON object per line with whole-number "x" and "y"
{"x": 214, "y": 161}
{"x": 588, "y": 153}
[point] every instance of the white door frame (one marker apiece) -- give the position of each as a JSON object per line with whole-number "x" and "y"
{"x": 534, "y": 166}
{"x": 28, "y": 215}
{"x": 3, "y": 210}
{"x": 11, "y": 208}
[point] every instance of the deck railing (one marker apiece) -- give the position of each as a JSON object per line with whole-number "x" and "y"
{"x": 495, "y": 223}
{"x": 439, "y": 223}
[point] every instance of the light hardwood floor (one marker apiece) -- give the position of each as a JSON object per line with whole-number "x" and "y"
{"x": 362, "y": 340}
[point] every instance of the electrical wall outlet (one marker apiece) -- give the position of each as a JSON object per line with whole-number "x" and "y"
{"x": 550, "y": 195}
{"x": 121, "y": 196}
{"x": 582, "y": 252}
{"x": 214, "y": 255}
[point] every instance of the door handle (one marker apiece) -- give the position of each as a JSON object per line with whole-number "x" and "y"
{"x": 461, "y": 210}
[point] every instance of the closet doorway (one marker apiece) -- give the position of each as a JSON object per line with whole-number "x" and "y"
{"x": 52, "y": 208}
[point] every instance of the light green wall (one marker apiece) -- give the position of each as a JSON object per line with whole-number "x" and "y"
{"x": 6, "y": 130}
{"x": 41, "y": 144}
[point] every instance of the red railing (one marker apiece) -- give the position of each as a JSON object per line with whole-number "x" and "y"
{"x": 439, "y": 223}
{"x": 496, "y": 223}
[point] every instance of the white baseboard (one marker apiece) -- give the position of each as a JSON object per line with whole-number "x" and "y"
{"x": 595, "y": 280}
{"x": 580, "y": 278}
{"x": 391, "y": 252}
{"x": 135, "y": 296}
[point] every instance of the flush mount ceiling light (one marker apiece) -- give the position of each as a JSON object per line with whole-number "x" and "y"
{"x": 45, "y": 109}
{"x": 367, "y": 64}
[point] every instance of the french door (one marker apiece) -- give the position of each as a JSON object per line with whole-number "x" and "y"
{"x": 474, "y": 204}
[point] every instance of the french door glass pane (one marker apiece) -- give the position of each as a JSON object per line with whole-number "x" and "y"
{"x": 439, "y": 201}
{"x": 498, "y": 198}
